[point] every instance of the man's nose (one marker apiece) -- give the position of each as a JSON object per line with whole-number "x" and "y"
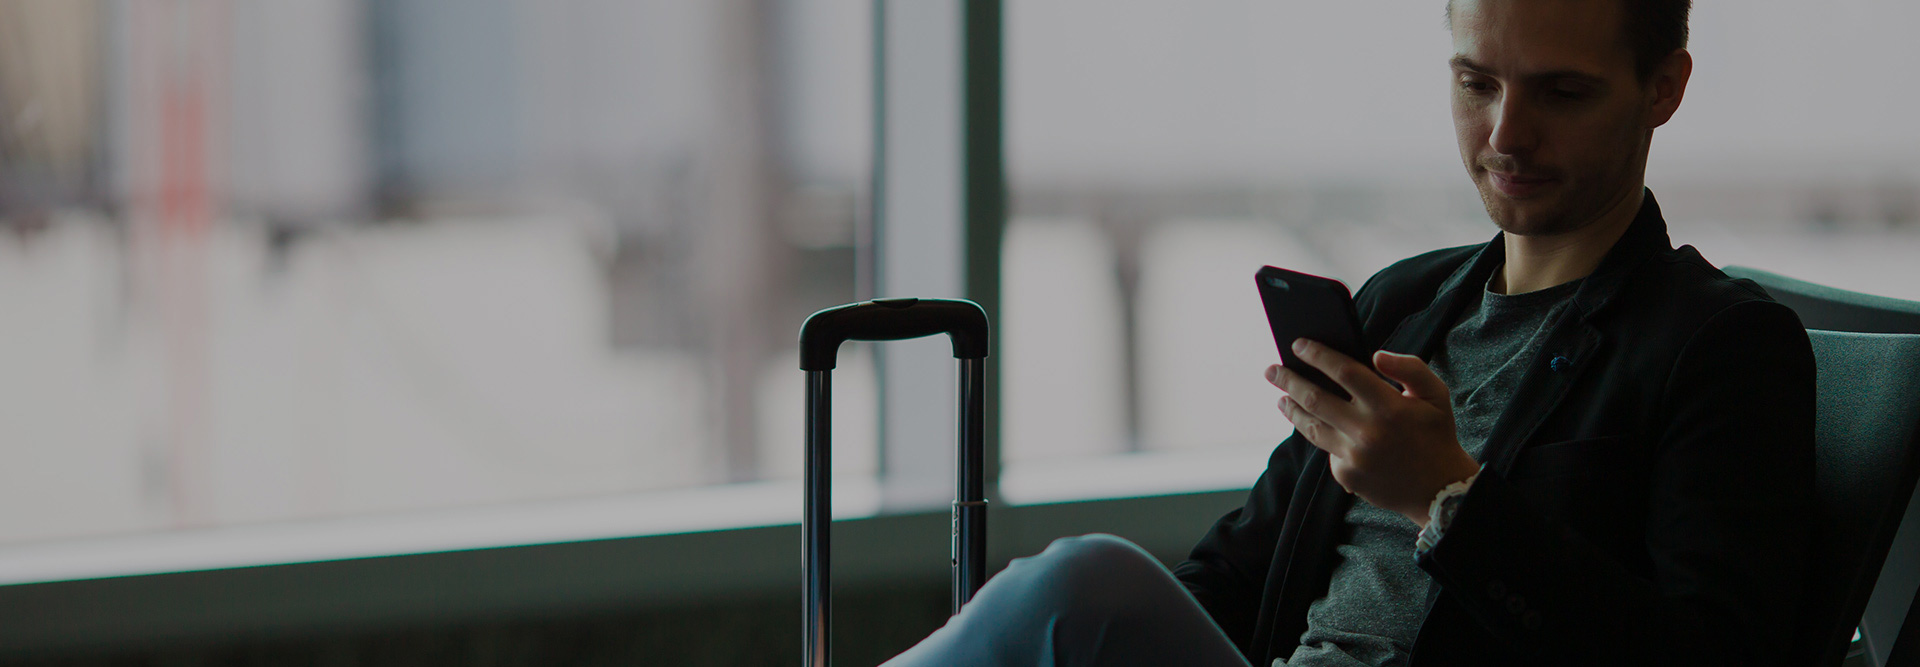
{"x": 1514, "y": 129}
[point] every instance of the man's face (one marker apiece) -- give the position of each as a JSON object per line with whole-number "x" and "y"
{"x": 1552, "y": 123}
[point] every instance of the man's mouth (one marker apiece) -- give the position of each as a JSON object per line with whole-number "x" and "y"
{"x": 1520, "y": 185}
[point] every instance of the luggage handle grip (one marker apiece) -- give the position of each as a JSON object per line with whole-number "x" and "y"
{"x": 892, "y": 319}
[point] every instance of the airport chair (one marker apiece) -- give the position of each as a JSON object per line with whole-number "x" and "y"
{"x": 1832, "y": 309}
{"x": 1866, "y": 565}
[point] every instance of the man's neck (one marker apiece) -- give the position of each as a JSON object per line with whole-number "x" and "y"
{"x": 1541, "y": 261}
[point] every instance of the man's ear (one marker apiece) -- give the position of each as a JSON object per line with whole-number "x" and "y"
{"x": 1668, "y": 86}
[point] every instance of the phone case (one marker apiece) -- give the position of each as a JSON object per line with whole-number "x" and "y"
{"x": 1303, "y": 305}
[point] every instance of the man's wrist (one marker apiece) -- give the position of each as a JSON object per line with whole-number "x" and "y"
{"x": 1464, "y": 474}
{"x": 1440, "y": 513}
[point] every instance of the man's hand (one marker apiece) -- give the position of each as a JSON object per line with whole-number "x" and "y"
{"x": 1393, "y": 448}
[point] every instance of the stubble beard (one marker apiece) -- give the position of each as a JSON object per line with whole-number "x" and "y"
{"x": 1575, "y": 203}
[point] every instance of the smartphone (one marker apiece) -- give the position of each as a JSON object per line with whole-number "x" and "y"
{"x": 1301, "y": 305}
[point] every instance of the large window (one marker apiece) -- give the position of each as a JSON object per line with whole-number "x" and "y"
{"x": 316, "y": 259}
{"x": 1159, "y": 153}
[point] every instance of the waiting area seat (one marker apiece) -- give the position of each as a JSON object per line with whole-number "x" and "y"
{"x": 1867, "y": 531}
{"x": 1833, "y": 309}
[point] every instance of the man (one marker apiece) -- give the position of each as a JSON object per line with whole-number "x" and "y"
{"x": 1599, "y": 450}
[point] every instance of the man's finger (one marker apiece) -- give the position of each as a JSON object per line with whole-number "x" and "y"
{"x": 1316, "y": 430}
{"x": 1310, "y": 398}
{"x": 1412, "y": 373}
{"x": 1359, "y": 381}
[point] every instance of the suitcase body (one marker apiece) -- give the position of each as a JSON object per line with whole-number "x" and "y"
{"x": 878, "y": 320}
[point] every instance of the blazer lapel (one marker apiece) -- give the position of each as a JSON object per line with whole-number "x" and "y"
{"x": 1569, "y": 346}
{"x": 1573, "y": 340}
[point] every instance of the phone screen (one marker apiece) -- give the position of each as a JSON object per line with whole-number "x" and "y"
{"x": 1301, "y": 305}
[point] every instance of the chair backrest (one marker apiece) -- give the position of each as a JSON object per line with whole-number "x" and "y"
{"x": 1887, "y": 532}
{"x": 1834, "y": 309}
{"x": 1866, "y": 423}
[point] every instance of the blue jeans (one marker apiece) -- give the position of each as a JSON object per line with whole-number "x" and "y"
{"x": 1093, "y": 600}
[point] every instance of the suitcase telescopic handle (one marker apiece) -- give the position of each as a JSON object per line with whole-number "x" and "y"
{"x": 892, "y": 319}
{"x": 877, "y": 320}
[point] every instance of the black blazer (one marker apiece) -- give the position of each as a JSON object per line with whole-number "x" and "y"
{"x": 1645, "y": 503}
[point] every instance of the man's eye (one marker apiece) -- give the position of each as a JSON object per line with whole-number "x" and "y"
{"x": 1475, "y": 86}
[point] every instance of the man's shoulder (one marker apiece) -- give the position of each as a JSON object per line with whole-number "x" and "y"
{"x": 1410, "y": 284}
{"x": 1695, "y": 279}
{"x": 1674, "y": 286}
{"x": 1681, "y": 289}
{"x": 1428, "y": 269}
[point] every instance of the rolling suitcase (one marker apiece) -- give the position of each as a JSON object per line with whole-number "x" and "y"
{"x": 889, "y": 319}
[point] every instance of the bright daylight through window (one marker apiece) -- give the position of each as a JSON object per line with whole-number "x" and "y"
{"x": 288, "y": 263}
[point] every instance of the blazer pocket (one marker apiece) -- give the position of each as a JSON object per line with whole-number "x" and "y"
{"x": 1583, "y": 457}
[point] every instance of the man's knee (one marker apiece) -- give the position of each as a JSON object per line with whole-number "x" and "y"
{"x": 1098, "y": 554}
{"x": 1093, "y": 573}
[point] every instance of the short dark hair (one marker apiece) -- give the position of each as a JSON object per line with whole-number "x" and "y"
{"x": 1654, "y": 29}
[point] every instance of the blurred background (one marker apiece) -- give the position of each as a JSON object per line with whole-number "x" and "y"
{"x": 278, "y": 261}
{"x": 308, "y": 279}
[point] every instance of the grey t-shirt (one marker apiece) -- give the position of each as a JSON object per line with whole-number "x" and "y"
{"x": 1374, "y": 603}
